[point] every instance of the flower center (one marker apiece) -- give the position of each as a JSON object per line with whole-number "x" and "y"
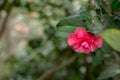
{"x": 85, "y": 44}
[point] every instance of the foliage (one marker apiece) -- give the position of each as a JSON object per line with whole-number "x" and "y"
{"x": 97, "y": 18}
{"x": 110, "y": 72}
{"x": 112, "y": 37}
{"x": 34, "y": 44}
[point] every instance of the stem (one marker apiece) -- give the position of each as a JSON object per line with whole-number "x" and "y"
{"x": 102, "y": 19}
{"x": 89, "y": 73}
{"x": 53, "y": 70}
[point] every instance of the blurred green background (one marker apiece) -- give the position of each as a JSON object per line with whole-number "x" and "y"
{"x": 28, "y": 45}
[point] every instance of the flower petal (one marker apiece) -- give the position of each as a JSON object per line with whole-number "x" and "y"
{"x": 72, "y": 39}
{"x": 81, "y": 32}
{"x": 98, "y": 41}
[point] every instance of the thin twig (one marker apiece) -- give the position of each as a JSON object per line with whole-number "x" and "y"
{"x": 107, "y": 8}
{"x": 53, "y": 70}
{"x": 89, "y": 67}
{"x": 102, "y": 19}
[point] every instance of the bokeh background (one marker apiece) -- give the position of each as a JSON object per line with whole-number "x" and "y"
{"x": 30, "y": 49}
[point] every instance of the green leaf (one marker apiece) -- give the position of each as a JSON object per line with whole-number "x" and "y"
{"x": 115, "y": 4}
{"x": 97, "y": 26}
{"x": 68, "y": 29}
{"x": 110, "y": 72}
{"x": 110, "y": 22}
{"x": 65, "y": 30}
{"x": 112, "y": 37}
{"x": 106, "y": 49}
{"x": 78, "y": 20}
{"x": 96, "y": 60}
{"x": 97, "y": 2}
{"x": 62, "y": 34}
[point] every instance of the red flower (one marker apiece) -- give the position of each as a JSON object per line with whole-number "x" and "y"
{"x": 84, "y": 42}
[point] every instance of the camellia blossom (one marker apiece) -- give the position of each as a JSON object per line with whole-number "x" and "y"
{"x": 84, "y": 42}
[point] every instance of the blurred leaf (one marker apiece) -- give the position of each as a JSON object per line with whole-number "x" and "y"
{"x": 97, "y": 26}
{"x": 62, "y": 34}
{"x": 68, "y": 29}
{"x": 110, "y": 72}
{"x": 97, "y": 4}
{"x": 112, "y": 37}
{"x": 75, "y": 20}
{"x": 96, "y": 60}
{"x": 106, "y": 6}
{"x": 80, "y": 56}
{"x": 110, "y": 22}
{"x": 74, "y": 76}
{"x": 69, "y": 24}
{"x": 106, "y": 48}
{"x": 65, "y": 30}
{"x": 5, "y": 69}
{"x": 115, "y": 4}
{"x": 72, "y": 21}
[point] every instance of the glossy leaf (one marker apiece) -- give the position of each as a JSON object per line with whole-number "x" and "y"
{"x": 112, "y": 37}
{"x": 79, "y": 19}
{"x": 64, "y": 31}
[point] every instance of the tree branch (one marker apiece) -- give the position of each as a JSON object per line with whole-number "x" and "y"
{"x": 53, "y": 70}
{"x": 3, "y": 4}
{"x": 3, "y": 26}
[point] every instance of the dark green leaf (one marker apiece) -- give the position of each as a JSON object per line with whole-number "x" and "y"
{"x": 109, "y": 22}
{"x": 97, "y": 26}
{"x": 65, "y": 30}
{"x": 106, "y": 48}
{"x": 115, "y": 4}
{"x": 96, "y": 60}
{"x": 62, "y": 34}
{"x": 77, "y": 20}
{"x": 97, "y": 4}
